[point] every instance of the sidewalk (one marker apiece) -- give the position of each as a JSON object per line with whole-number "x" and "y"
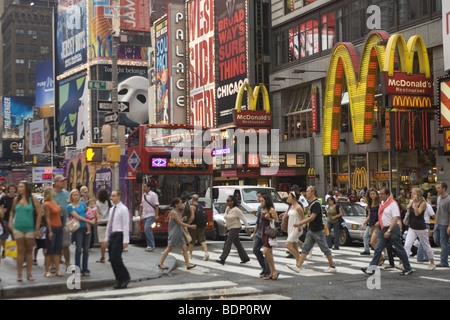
{"x": 140, "y": 264}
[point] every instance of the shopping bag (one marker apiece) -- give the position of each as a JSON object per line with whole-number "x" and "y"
{"x": 11, "y": 249}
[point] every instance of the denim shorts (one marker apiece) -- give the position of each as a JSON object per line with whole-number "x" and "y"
{"x": 316, "y": 237}
{"x": 55, "y": 245}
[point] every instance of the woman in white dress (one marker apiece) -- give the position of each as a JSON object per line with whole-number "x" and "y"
{"x": 295, "y": 214}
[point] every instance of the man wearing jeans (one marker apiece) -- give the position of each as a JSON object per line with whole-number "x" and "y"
{"x": 388, "y": 217}
{"x": 148, "y": 210}
{"x": 442, "y": 227}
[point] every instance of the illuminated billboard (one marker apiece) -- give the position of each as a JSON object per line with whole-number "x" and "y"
{"x": 201, "y": 62}
{"x": 231, "y": 56}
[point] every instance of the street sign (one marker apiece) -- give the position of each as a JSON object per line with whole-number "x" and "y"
{"x": 107, "y": 106}
{"x": 112, "y": 117}
{"x": 100, "y": 85}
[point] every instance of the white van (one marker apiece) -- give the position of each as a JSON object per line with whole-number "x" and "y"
{"x": 248, "y": 196}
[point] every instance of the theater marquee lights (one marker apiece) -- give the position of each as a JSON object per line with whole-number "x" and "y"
{"x": 404, "y": 89}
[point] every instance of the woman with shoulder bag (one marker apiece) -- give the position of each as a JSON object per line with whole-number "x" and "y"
{"x": 269, "y": 216}
{"x": 25, "y": 220}
{"x": 233, "y": 216}
{"x": 417, "y": 226}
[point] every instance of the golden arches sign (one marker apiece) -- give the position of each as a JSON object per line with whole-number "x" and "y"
{"x": 361, "y": 79}
{"x": 253, "y": 97}
{"x": 359, "y": 179}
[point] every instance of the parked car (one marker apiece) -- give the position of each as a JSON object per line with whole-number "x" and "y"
{"x": 354, "y": 216}
{"x": 219, "y": 221}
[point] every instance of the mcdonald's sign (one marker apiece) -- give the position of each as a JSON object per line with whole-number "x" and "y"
{"x": 376, "y": 57}
{"x": 359, "y": 179}
{"x": 311, "y": 173}
{"x": 253, "y": 117}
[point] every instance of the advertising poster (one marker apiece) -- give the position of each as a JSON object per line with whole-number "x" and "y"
{"x": 101, "y": 38}
{"x": 45, "y": 88}
{"x": 137, "y": 15}
{"x": 71, "y": 36}
{"x": 132, "y": 88}
{"x": 73, "y": 111}
{"x": 16, "y": 111}
{"x": 162, "y": 71}
{"x": 38, "y": 137}
{"x": 201, "y": 62}
{"x": 231, "y": 57}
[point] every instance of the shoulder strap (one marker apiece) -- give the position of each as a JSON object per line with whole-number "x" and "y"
{"x": 145, "y": 198}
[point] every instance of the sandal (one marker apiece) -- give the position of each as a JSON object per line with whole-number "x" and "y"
{"x": 47, "y": 275}
{"x": 30, "y": 278}
{"x": 19, "y": 278}
{"x": 275, "y": 277}
{"x": 101, "y": 260}
{"x": 59, "y": 274}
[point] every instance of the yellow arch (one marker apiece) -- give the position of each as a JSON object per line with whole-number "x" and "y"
{"x": 406, "y": 55}
{"x": 361, "y": 90}
{"x": 252, "y": 97}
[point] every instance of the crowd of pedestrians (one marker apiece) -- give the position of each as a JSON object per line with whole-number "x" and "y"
{"x": 306, "y": 224}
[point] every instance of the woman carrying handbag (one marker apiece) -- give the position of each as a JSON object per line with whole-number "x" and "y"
{"x": 268, "y": 215}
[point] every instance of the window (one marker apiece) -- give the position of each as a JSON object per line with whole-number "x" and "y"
{"x": 45, "y": 50}
{"x": 20, "y": 61}
{"x": 32, "y": 34}
{"x": 20, "y": 48}
{"x": 20, "y": 33}
{"x": 20, "y": 92}
{"x": 328, "y": 26}
{"x": 298, "y": 119}
{"x": 411, "y": 10}
{"x": 31, "y": 64}
{"x": 309, "y": 38}
{"x": 20, "y": 77}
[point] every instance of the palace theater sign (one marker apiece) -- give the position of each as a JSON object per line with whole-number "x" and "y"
{"x": 407, "y": 94}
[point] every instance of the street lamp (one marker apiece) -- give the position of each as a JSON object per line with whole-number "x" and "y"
{"x": 181, "y": 69}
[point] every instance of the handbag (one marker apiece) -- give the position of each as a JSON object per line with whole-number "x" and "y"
{"x": 270, "y": 230}
{"x": 72, "y": 225}
{"x": 11, "y": 249}
{"x": 406, "y": 220}
{"x": 186, "y": 235}
{"x": 284, "y": 224}
{"x": 273, "y": 242}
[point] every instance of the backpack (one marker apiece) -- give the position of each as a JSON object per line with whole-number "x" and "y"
{"x": 201, "y": 217}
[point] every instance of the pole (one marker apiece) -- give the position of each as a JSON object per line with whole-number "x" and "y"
{"x": 114, "y": 92}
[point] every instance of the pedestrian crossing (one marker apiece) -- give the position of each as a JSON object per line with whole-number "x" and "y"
{"x": 211, "y": 290}
{"x": 347, "y": 260}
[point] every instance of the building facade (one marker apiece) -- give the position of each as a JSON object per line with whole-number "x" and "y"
{"x": 304, "y": 35}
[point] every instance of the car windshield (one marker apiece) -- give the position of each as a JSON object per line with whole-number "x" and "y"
{"x": 352, "y": 210}
{"x": 250, "y": 195}
{"x": 221, "y": 207}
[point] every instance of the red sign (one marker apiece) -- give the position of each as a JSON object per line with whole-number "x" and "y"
{"x": 248, "y": 118}
{"x": 135, "y": 15}
{"x": 445, "y": 104}
{"x": 403, "y": 84}
{"x": 382, "y": 176}
{"x": 253, "y": 161}
{"x": 315, "y": 114}
{"x": 201, "y": 62}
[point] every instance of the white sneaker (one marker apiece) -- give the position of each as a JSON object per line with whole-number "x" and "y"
{"x": 206, "y": 257}
{"x": 330, "y": 270}
{"x": 149, "y": 249}
{"x": 293, "y": 267}
{"x": 431, "y": 267}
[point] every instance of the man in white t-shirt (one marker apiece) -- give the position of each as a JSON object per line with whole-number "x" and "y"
{"x": 388, "y": 218}
{"x": 148, "y": 210}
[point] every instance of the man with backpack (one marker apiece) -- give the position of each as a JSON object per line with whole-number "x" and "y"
{"x": 198, "y": 217}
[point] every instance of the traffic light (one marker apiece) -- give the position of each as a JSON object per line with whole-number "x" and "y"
{"x": 94, "y": 154}
{"x": 113, "y": 153}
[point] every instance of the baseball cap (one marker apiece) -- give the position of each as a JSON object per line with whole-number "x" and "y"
{"x": 59, "y": 178}
{"x": 295, "y": 187}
